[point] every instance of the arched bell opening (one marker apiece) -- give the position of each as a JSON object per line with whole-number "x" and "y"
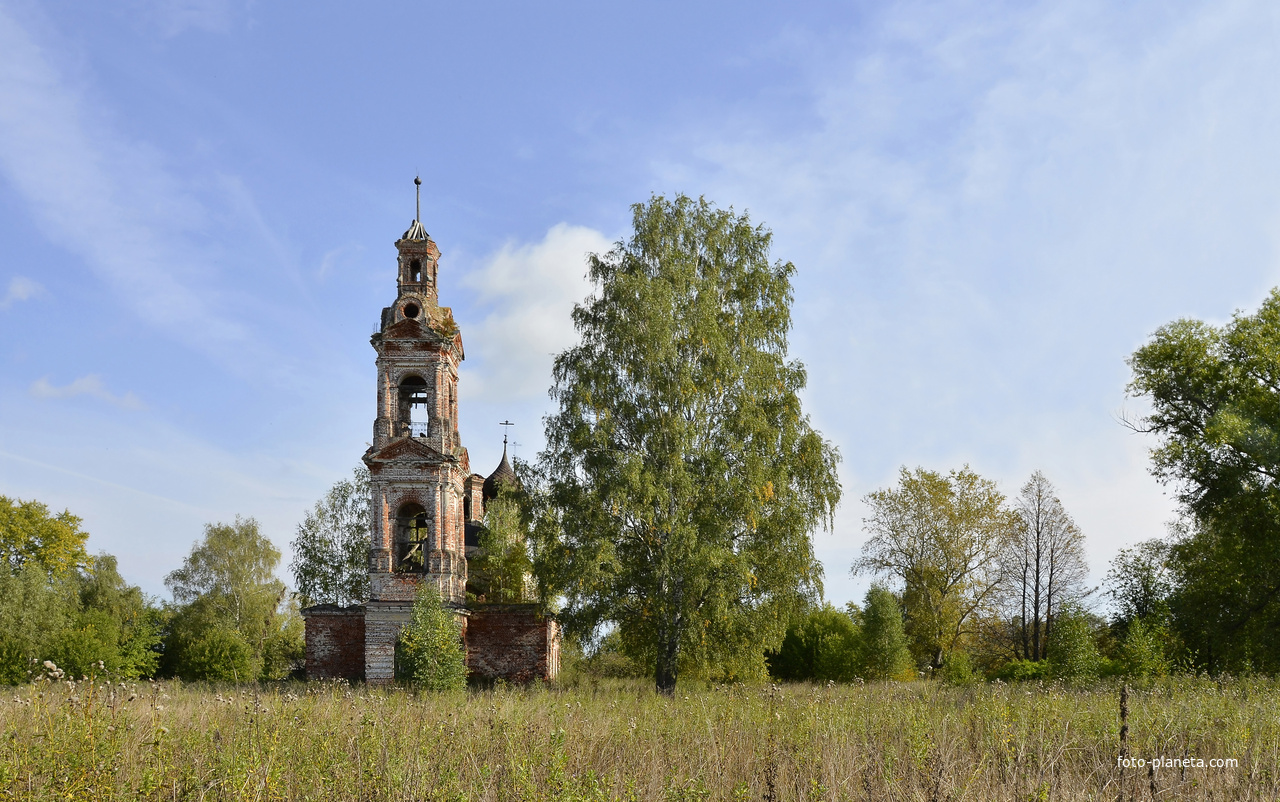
{"x": 414, "y": 406}
{"x": 415, "y": 271}
{"x": 413, "y": 539}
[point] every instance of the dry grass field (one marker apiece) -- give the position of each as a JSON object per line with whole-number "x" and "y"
{"x": 618, "y": 740}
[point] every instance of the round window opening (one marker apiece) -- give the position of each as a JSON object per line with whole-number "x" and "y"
{"x": 410, "y": 310}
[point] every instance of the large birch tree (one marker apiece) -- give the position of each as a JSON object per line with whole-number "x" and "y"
{"x": 684, "y": 476}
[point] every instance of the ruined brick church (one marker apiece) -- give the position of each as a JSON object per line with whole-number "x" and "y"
{"x": 426, "y": 506}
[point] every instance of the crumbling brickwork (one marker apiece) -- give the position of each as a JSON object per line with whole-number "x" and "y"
{"x": 335, "y": 642}
{"x": 513, "y": 642}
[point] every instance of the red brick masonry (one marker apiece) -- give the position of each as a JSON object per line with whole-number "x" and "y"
{"x": 335, "y": 642}
{"x": 512, "y": 642}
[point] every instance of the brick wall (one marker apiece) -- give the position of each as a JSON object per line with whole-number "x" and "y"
{"x": 335, "y": 642}
{"x": 513, "y": 642}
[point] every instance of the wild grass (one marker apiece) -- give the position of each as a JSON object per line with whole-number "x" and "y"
{"x": 618, "y": 740}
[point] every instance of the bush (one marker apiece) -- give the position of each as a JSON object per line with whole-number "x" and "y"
{"x": 1142, "y": 652}
{"x": 823, "y": 646}
{"x": 430, "y": 654}
{"x": 958, "y": 669}
{"x": 218, "y": 654}
{"x": 1073, "y": 653}
{"x": 1023, "y": 671}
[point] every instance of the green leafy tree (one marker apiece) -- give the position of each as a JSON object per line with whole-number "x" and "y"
{"x": 502, "y": 565}
{"x": 684, "y": 478}
{"x": 823, "y": 646}
{"x": 1214, "y": 393}
{"x": 1073, "y": 648}
{"x": 942, "y": 536}
{"x": 430, "y": 653}
{"x": 29, "y": 533}
{"x": 885, "y": 654}
{"x": 331, "y": 548}
{"x": 57, "y": 603}
{"x": 35, "y": 608}
{"x": 1140, "y": 584}
{"x": 1144, "y": 650}
{"x": 110, "y": 624}
{"x": 228, "y": 582}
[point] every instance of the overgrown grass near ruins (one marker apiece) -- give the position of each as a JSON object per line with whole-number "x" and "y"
{"x": 915, "y": 741}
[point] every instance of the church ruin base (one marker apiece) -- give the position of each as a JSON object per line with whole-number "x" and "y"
{"x": 509, "y": 642}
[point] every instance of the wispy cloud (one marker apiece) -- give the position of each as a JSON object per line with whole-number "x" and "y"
{"x": 20, "y": 288}
{"x": 992, "y": 207}
{"x": 109, "y": 199}
{"x": 173, "y": 17}
{"x": 529, "y": 291}
{"x": 90, "y": 385}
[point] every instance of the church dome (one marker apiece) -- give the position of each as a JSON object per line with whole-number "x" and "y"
{"x": 501, "y": 475}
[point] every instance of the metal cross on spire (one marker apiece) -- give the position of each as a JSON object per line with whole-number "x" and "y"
{"x": 417, "y": 186}
{"x": 505, "y": 423}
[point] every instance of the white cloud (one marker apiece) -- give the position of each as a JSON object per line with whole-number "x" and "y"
{"x": 20, "y": 289}
{"x": 529, "y": 291}
{"x": 90, "y": 385}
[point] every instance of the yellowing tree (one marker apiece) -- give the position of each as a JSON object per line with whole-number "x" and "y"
{"x": 942, "y": 537}
{"x": 29, "y": 534}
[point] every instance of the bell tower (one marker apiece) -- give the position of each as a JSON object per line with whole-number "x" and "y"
{"x": 417, "y": 465}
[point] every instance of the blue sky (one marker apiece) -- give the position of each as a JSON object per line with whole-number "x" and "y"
{"x": 990, "y": 206}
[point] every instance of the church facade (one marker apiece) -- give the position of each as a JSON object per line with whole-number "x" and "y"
{"x": 426, "y": 506}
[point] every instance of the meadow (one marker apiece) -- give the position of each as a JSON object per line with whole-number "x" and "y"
{"x": 606, "y": 740}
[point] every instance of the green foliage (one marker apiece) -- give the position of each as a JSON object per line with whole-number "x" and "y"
{"x": 34, "y": 609}
{"x": 1140, "y": 583}
{"x": 1144, "y": 650}
{"x": 84, "y": 620}
{"x": 943, "y": 537}
{"x": 1215, "y": 401}
{"x": 885, "y": 654}
{"x": 218, "y": 653}
{"x": 1073, "y": 651}
{"x": 501, "y": 564}
{"x": 331, "y": 549}
{"x": 958, "y": 670}
{"x": 110, "y": 625}
{"x": 683, "y": 478}
{"x": 228, "y": 583}
{"x": 1023, "y": 671}
{"x": 430, "y": 654}
{"x": 825, "y": 645}
{"x": 30, "y": 534}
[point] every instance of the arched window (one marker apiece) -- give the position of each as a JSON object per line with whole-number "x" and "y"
{"x": 466, "y": 508}
{"x": 415, "y": 271}
{"x": 413, "y": 407}
{"x": 413, "y": 538}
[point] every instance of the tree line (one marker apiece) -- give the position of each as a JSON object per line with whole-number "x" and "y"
{"x": 230, "y": 617}
{"x": 668, "y": 522}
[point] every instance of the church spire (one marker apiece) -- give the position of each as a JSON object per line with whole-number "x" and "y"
{"x": 416, "y": 231}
